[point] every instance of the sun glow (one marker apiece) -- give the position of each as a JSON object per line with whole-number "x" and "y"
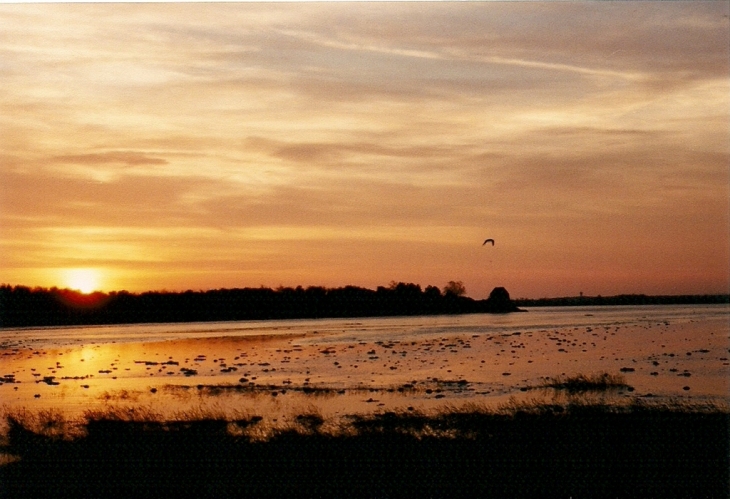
{"x": 84, "y": 280}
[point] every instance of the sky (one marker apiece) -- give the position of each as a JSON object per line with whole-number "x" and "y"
{"x": 200, "y": 146}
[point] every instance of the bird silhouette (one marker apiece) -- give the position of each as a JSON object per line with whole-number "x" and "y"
{"x": 488, "y": 241}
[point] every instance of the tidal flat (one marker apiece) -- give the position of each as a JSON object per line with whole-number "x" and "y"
{"x": 605, "y": 385}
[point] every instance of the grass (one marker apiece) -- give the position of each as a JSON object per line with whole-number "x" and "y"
{"x": 520, "y": 449}
{"x": 49, "y": 423}
{"x": 579, "y": 383}
{"x": 313, "y": 390}
{"x": 588, "y": 445}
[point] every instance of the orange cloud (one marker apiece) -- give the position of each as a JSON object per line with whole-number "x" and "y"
{"x": 123, "y": 157}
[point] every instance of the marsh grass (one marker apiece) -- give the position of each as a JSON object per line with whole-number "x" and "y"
{"x": 47, "y": 423}
{"x": 118, "y": 395}
{"x": 309, "y": 420}
{"x": 474, "y": 420}
{"x": 184, "y": 391}
{"x": 125, "y": 414}
{"x": 580, "y": 383}
{"x": 467, "y": 420}
{"x": 8, "y": 458}
{"x": 644, "y": 448}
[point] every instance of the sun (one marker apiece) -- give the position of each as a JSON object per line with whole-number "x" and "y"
{"x": 84, "y": 280}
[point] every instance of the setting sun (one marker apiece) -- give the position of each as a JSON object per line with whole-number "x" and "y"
{"x": 84, "y": 280}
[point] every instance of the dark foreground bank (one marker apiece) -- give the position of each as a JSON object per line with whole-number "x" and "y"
{"x": 554, "y": 452}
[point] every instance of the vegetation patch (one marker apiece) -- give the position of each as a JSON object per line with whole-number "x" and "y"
{"x": 579, "y": 383}
{"x": 521, "y": 449}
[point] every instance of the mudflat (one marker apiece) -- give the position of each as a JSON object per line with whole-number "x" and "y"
{"x": 359, "y": 366}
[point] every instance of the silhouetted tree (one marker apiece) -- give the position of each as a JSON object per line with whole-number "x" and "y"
{"x": 455, "y": 288}
{"x": 21, "y": 306}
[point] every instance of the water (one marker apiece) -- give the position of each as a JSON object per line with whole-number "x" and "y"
{"x": 664, "y": 351}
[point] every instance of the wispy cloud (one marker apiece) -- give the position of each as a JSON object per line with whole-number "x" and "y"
{"x": 121, "y": 157}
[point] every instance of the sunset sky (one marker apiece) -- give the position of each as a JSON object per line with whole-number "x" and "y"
{"x": 219, "y": 145}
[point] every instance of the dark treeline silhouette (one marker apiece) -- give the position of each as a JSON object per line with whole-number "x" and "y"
{"x": 21, "y": 306}
{"x": 623, "y": 300}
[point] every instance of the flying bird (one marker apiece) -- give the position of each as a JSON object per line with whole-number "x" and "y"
{"x": 488, "y": 241}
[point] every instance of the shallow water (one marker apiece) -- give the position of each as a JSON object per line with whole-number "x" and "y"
{"x": 341, "y": 366}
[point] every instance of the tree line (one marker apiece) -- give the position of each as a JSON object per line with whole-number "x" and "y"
{"x": 626, "y": 299}
{"x": 21, "y": 306}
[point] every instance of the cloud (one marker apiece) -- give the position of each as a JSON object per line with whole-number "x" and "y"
{"x": 72, "y": 201}
{"x": 269, "y": 139}
{"x": 129, "y": 158}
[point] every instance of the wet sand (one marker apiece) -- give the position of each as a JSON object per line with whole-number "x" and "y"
{"x": 279, "y": 376}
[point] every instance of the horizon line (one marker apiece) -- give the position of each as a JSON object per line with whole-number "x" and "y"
{"x": 281, "y": 287}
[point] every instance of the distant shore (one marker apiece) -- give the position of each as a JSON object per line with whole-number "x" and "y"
{"x": 628, "y": 299}
{"x": 21, "y": 306}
